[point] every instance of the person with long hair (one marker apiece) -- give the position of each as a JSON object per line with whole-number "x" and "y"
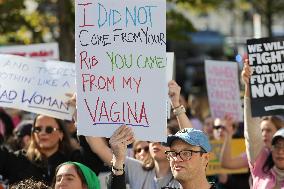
{"x": 49, "y": 147}
{"x": 265, "y": 162}
{"x": 141, "y": 153}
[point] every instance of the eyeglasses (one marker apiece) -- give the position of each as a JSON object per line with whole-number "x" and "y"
{"x": 184, "y": 155}
{"x": 146, "y": 149}
{"x": 218, "y": 127}
{"x": 47, "y": 129}
{"x": 277, "y": 147}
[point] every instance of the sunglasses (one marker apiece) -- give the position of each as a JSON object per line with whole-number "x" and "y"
{"x": 146, "y": 149}
{"x": 47, "y": 129}
{"x": 219, "y": 127}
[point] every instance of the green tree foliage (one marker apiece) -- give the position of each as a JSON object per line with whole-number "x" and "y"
{"x": 52, "y": 20}
{"x": 11, "y": 20}
{"x": 178, "y": 26}
{"x": 201, "y": 6}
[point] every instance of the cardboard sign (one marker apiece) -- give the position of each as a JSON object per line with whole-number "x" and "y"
{"x": 37, "y": 87}
{"x": 42, "y": 51}
{"x": 266, "y": 59}
{"x": 214, "y": 166}
{"x": 223, "y": 89}
{"x": 121, "y": 67}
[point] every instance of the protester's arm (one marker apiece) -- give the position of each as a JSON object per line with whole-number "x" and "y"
{"x": 252, "y": 130}
{"x": 99, "y": 146}
{"x": 174, "y": 94}
{"x": 227, "y": 161}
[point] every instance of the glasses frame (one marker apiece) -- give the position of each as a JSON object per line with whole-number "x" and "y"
{"x": 179, "y": 154}
{"x": 276, "y": 147}
{"x": 47, "y": 129}
{"x": 138, "y": 150}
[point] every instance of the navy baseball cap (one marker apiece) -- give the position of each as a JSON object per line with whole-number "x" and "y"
{"x": 193, "y": 137}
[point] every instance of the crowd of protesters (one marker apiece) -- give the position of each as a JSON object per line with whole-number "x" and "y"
{"x": 44, "y": 152}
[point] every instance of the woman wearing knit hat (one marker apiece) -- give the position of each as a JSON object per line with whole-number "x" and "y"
{"x": 74, "y": 175}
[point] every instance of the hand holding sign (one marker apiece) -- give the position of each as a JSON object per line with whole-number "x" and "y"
{"x": 72, "y": 102}
{"x": 122, "y": 137}
{"x": 246, "y": 73}
{"x": 174, "y": 93}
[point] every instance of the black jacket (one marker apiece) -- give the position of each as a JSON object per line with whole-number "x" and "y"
{"x": 15, "y": 166}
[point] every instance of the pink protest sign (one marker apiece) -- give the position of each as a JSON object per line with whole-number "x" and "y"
{"x": 223, "y": 89}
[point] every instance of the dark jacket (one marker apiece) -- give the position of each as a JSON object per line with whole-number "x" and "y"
{"x": 15, "y": 166}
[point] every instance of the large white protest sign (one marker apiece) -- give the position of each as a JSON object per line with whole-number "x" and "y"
{"x": 266, "y": 59}
{"x": 121, "y": 67}
{"x": 41, "y": 51}
{"x": 35, "y": 86}
{"x": 223, "y": 89}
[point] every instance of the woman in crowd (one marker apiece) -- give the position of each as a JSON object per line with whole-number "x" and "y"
{"x": 266, "y": 164}
{"x": 141, "y": 153}
{"x": 140, "y": 150}
{"x": 208, "y": 127}
{"x": 268, "y": 125}
{"x": 49, "y": 147}
{"x": 75, "y": 175}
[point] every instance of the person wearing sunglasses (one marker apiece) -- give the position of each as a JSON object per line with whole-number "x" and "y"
{"x": 141, "y": 153}
{"x": 218, "y": 129}
{"x": 49, "y": 146}
{"x": 140, "y": 150}
{"x": 189, "y": 157}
